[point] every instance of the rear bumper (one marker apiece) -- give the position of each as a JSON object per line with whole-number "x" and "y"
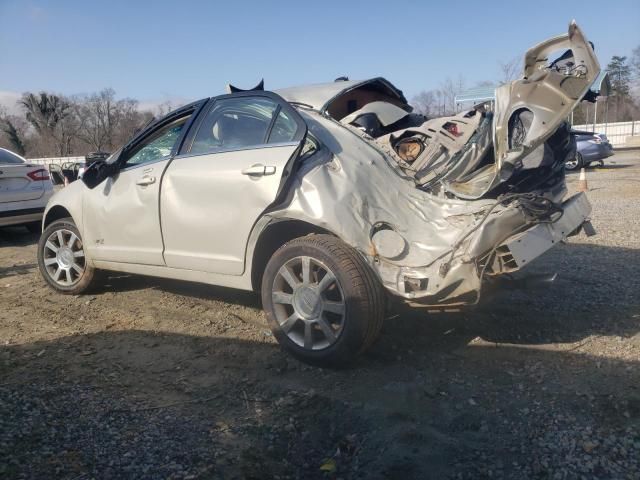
{"x": 429, "y": 285}
{"x": 519, "y": 250}
{"x": 597, "y": 152}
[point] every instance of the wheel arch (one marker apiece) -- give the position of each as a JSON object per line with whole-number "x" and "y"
{"x": 54, "y": 213}
{"x": 515, "y": 115}
{"x": 274, "y": 235}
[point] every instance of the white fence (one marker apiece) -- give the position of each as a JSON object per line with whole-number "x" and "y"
{"x": 619, "y": 134}
{"x": 56, "y": 160}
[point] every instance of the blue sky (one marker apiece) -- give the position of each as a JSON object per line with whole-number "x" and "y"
{"x": 190, "y": 49}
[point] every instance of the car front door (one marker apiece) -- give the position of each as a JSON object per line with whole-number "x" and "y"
{"x": 121, "y": 221}
{"x": 229, "y": 173}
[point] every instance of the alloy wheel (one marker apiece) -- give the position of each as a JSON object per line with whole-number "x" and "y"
{"x": 309, "y": 303}
{"x": 63, "y": 257}
{"x": 573, "y": 163}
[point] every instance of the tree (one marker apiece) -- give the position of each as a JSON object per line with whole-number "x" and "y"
{"x": 44, "y": 111}
{"x": 14, "y": 136}
{"x": 619, "y": 75}
{"x": 98, "y": 119}
{"x": 56, "y": 125}
{"x": 510, "y": 70}
{"x": 635, "y": 73}
{"x": 620, "y": 78}
{"x": 164, "y": 108}
{"x": 425, "y": 103}
{"x": 51, "y": 117}
{"x": 447, "y": 93}
{"x": 130, "y": 120}
{"x": 440, "y": 101}
{"x": 635, "y": 62}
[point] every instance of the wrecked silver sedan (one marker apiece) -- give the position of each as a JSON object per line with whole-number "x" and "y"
{"x": 332, "y": 198}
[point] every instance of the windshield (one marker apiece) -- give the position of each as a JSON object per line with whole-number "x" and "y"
{"x": 9, "y": 158}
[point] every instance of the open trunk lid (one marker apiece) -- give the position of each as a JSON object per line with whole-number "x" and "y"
{"x": 549, "y": 91}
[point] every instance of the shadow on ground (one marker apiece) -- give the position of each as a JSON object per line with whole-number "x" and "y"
{"x": 139, "y": 404}
{"x": 17, "y": 237}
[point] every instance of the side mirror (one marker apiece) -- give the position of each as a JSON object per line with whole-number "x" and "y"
{"x": 98, "y": 172}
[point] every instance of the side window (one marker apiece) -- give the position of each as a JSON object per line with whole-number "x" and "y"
{"x": 158, "y": 146}
{"x": 284, "y": 129}
{"x": 9, "y": 158}
{"x": 235, "y": 123}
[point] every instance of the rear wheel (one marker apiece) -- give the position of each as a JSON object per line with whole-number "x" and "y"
{"x": 61, "y": 258}
{"x": 574, "y": 163}
{"x": 323, "y": 302}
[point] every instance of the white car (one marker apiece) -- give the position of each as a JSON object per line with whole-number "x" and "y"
{"x": 25, "y": 190}
{"x": 333, "y": 198}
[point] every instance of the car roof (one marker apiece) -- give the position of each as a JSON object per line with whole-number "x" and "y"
{"x": 319, "y": 95}
{"x": 316, "y": 95}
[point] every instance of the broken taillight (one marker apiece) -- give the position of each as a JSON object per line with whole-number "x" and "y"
{"x": 452, "y": 128}
{"x": 38, "y": 175}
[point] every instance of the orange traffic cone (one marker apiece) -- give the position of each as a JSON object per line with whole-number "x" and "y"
{"x": 582, "y": 182}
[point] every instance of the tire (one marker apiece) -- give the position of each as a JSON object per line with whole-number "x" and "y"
{"x": 70, "y": 267}
{"x": 574, "y": 164}
{"x": 344, "y": 315}
{"x": 34, "y": 227}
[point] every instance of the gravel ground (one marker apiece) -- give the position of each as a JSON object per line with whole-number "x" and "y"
{"x": 158, "y": 379}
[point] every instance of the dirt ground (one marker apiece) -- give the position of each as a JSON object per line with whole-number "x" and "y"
{"x": 150, "y": 378}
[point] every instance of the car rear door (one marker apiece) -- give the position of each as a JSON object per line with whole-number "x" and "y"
{"x": 230, "y": 171}
{"x": 20, "y": 181}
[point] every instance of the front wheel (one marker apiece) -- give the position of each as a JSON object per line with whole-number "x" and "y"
{"x": 323, "y": 302}
{"x": 575, "y": 163}
{"x": 61, "y": 258}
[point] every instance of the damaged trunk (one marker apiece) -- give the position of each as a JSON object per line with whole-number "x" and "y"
{"x": 477, "y": 194}
{"x": 517, "y": 144}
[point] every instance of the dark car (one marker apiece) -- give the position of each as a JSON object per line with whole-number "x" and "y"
{"x": 590, "y": 147}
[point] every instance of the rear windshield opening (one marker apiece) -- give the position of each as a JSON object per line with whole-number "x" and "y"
{"x": 358, "y": 97}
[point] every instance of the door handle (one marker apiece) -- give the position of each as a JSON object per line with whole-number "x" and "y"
{"x": 145, "y": 180}
{"x": 259, "y": 170}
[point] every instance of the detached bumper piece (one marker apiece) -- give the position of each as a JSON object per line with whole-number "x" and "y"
{"x": 519, "y": 250}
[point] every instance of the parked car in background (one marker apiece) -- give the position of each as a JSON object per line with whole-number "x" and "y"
{"x": 590, "y": 147}
{"x": 65, "y": 173}
{"x": 24, "y": 191}
{"x": 68, "y": 172}
{"x": 330, "y": 199}
{"x": 90, "y": 158}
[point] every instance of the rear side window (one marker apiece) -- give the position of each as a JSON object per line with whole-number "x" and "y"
{"x": 9, "y": 158}
{"x": 284, "y": 129}
{"x": 234, "y": 123}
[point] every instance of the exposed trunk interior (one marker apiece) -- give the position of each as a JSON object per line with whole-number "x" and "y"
{"x": 517, "y": 143}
